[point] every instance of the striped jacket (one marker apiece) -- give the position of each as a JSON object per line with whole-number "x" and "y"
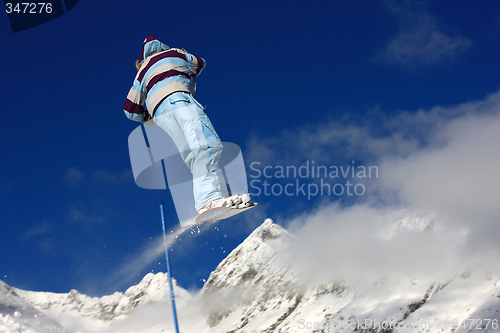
{"x": 161, "y": 74}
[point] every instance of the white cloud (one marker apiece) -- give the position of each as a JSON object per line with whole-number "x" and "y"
{"x": 457, "y": 174}
{"x": 441, "y": 162}
{"x": 41, "y": 235}
{"x": 371, "y": 138}
{"x": 117, "y": 178}
{"x": 362, "y": 241}
{"x": 43, "y": 228}
{"x": 80, "y": 213}
{"x": 421, "y": 40}
{"x": 74, "y": 176}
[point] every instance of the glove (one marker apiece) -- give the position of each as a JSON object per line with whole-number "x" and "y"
{"x": 146, "y": 116}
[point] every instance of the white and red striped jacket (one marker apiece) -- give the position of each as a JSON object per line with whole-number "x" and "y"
{"x": 163, "y": 71}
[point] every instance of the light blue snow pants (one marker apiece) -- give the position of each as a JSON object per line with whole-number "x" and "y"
{"x": 183, "y": 118}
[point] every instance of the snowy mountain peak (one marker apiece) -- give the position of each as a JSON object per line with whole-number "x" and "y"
{"x": 253, "y": 278}
{"x": 252, "y": 259}
{"x": 269, "y": 231}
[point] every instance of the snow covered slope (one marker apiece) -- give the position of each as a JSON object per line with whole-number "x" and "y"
{"x": 255, "y": 289}
{"x": 140, "y": 309}
{"x": 18, "y": 316}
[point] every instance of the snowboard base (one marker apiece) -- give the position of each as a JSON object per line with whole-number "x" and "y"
{"x": 221, "y": 213}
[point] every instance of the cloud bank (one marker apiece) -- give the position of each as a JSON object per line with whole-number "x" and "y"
{"x": 434, "y": 208}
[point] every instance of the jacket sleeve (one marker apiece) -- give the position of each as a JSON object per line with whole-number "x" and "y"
{"x": 197, "y": 64}
{"x": 133, "y": 106}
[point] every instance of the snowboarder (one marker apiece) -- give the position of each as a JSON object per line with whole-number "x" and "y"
{"x": 163, "y": 92}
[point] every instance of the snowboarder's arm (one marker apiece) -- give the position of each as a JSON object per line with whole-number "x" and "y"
{"x": 133, "y": 106}
{"x": 197, "y": 63}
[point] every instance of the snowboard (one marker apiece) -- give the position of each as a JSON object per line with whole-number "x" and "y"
{"x": 221, "y": 213}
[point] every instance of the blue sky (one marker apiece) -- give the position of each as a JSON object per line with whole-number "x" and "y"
{"x": 339, "y": 83}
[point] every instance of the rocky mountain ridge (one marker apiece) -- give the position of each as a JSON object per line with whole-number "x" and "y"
{"x": 257, "y": 289}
